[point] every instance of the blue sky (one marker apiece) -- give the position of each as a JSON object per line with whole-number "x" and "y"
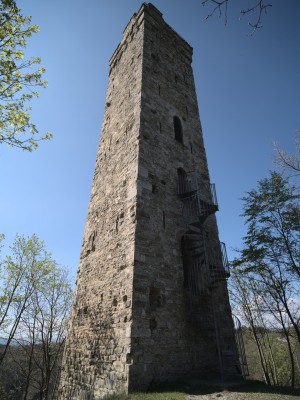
{"x": 248, "y": 94}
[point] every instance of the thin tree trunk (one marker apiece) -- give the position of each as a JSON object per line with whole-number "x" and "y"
{"x": 261, "y": 357}
{"x": 28, "y": 377}
{"x": 287, "y": 336}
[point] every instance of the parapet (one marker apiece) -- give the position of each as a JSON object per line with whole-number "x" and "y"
{"x": 153, "y": 15}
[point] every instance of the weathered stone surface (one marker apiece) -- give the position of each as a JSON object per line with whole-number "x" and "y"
{"x": 131, "y": 323}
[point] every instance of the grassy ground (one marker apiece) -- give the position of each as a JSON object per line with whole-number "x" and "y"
{"x": 251, "y": 390}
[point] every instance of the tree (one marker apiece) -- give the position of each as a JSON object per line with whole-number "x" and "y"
{"x": 266, "y": 274}
{"x": 245, "y": 303}
{"x": 259, "y": 9}
{"x": 267, "y": 308}
{"x": 41, "y": 334}
{"x": 21, "y": 271}
{"x": 35, "y": 299}
{"x": 274, "y": 307}
{"x": 289, "y": 164}
{"x": 19, "y": 79}
{"x": 272, "y": 214}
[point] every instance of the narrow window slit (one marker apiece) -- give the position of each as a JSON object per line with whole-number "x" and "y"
{"x": 178, "y": 129}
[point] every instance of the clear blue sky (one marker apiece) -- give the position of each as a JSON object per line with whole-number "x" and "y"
{"x": 248, "y": 93}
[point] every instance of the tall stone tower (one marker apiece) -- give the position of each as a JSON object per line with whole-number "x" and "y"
{"x": 151, "y": 302}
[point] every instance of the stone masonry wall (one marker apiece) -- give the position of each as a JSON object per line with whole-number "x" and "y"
{"x": 130, "y": 325}
{"x": 98, "y": 343}
{"x": 166, "y": 344}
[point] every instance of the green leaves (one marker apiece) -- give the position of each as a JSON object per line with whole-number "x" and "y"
{"x": 35, "y": 300}
{"x": 18, "y": 78}
{"x": 272, "y": 212}
{"x": 32, "y": 285}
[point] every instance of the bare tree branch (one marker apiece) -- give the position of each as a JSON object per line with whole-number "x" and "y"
{"x": 261, "y": 9}
{"x": 221, "y": 7}
{"x": 217, "y": 7}
{"x": 287, "y": 162}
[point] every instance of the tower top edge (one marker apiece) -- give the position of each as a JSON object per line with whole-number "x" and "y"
{"x": 150, "y": 8}
{"x": 146, "y": 10}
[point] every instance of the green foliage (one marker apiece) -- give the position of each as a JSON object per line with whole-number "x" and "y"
{"x": 281, "y": 357}
{"x": 19, "y": 79}
{"x": 265, "y": 282}
{"x": 35, "y": 300}
{"x": 272, "y": 214}
{"x": 250, "y": 390}
{"x": 23, "y": 271}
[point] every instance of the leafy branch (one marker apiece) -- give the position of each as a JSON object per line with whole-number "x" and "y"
{"x": 19, "y": 79}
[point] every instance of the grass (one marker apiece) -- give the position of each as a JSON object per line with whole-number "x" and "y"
{"x": 251, "y": 390}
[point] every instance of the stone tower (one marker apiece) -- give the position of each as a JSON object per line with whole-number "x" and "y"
{"x": 151, "y": 302}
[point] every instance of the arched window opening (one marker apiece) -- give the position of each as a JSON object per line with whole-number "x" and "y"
{"x": 178, "y": 129}
{"x": 182, "y": 181}
{"x": 181, "y": 172}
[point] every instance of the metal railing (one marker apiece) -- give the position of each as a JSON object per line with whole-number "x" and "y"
{"x": 218, "y": 261}
{"x": 240, "y": 345}
{"x": 187, "y": 182}
{"x": 197, "y": 279}
{"x": 225, "y": 258}
{"x": 210, "y": 265}
{"x": 213, "y": 194}
{"x": 191, "y": 207}
{"x": 198, "y": 205}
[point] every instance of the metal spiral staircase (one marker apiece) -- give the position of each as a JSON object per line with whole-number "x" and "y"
{"x": 204, "y": 258}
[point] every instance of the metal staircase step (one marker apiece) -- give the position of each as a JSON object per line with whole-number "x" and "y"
{"x": 196, "y": 224}
{"x": 187, "y": 194}
{"x": 198, "y": 255}
{"x": 192, "y": 236}
{"x": 195, "y": 228}
{"x": 194, "y": 244}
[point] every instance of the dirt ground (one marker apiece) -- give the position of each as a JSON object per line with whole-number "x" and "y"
{"x": 247, "y": 391}
{"x": 243, "y": 396}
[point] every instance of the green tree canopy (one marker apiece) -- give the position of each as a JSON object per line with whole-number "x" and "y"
{"x": 265, "y": 283}
{"x": 272, "y": 214}
{"x": 35, "y": 300}
{"x": 19, "y": 79}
